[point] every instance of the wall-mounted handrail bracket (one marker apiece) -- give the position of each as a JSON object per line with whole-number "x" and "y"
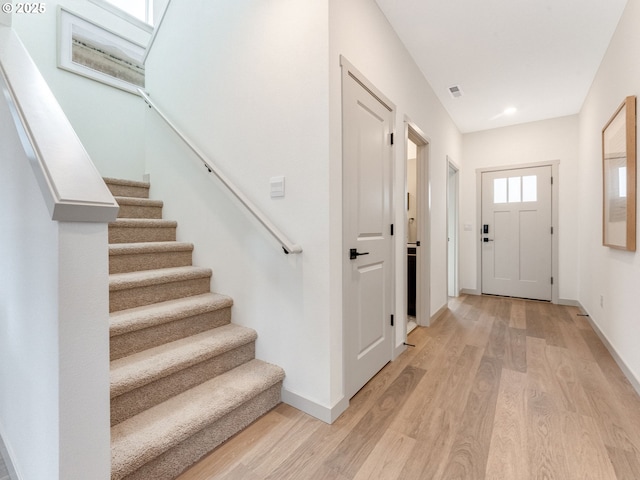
{"x": 287, "y": 245}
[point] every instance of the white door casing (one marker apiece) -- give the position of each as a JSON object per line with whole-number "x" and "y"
{"x": 423, "y": 230}
{"x": 517, "y": 248}
{"x": 452, "y": 230}
{"x": 367, "y": 188}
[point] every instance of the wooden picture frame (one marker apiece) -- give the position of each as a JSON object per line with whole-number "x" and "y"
{"x": 619, "y": 178}
{"x": 90, "y": 50}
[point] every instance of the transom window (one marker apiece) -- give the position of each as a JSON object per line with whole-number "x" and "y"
{"x": 515, "y": 189}
{"x": 139, "y": 9}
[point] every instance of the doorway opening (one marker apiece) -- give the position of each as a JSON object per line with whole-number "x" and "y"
{"x": 417, "y": 229}
{"x": 452, "y": 230}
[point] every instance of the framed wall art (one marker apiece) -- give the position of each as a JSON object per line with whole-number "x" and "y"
{"x": 89, "y": 50}
{"x": 619, "y": 178}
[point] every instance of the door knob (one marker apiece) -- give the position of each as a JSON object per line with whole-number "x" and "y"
{"x": 353, "y": 253}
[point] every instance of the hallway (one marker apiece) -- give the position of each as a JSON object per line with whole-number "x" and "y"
{"x": 498, "y": 388}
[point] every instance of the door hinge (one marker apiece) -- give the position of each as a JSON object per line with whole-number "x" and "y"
{"x": 391, "y": 229}
{"x": 551, "y": 280}
{"x": 392, "y": 320}
{"x": 551, "y": 230}
{"x": 551, "y": 180}
{"x": 391, "y": 138}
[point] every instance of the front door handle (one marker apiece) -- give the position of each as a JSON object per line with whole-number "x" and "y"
{"x": 353, "y": 253}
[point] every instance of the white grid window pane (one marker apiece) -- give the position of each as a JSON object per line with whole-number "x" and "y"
{"x": 499, "y": 190}
{"x": 514, "y": 190}
{"x": 530, "y": 188}
{"x": 136, "y": 8}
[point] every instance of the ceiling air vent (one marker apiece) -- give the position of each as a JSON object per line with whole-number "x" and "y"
{"x": 455, "y": 91}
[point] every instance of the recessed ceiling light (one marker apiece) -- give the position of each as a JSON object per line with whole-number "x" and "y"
{"x": 510, "y": 110}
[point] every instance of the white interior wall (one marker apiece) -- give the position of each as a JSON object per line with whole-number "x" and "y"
{"x": 109, "y": 121}
{"x": 28, "y": 383}
{"x": 83, "y": 333}
{"x": 554, "y": 139}
{"x": 54, "y": 379}
{"x": 361, "y": 33}
{"x": 612, "y": 274}
{"x": 247, "y": 81}
{"x": 267, "y": 98}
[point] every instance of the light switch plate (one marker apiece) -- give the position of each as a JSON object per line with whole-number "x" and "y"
{"x": 277, "y": 186}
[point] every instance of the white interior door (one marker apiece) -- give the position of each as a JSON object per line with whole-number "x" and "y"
{"x": 368, "y": 273}
{"x": 516, "y": 233}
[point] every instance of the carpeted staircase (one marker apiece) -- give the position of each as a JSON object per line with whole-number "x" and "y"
{"x": 183, "y": 378}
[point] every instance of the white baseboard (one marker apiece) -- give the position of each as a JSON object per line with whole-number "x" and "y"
{"x": 439, "y": 313}
{"x": 470, "y": 291}
{"x": 635, "y": 382}
{"x": 569, "y": 302}
{"x": 326, "y": 414}
{"x": 399, "y": 350}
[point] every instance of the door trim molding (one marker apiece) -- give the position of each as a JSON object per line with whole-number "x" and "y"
{"x": 423, "y": 268}
{"x": 555, "y": 170}
{"x": 451, "y": 165}
{"x": 349, "y": 70}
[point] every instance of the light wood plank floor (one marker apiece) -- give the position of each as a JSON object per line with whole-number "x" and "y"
{"x": 497, "y": 389}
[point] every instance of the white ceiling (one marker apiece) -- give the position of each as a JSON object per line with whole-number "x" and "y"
{"x": 539, "y": 56}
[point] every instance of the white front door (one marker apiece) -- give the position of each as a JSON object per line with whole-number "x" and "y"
{"x": 368, "y": 273}
{"x": 516, "y": 233}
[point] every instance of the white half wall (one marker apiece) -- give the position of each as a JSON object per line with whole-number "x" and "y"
{"x": 544, "y": 141}
{"x": 54, "y": 352}
{"x": 606, "y": 273}
{"x": 29, "y": 366}
{"x": 109, "y": 121}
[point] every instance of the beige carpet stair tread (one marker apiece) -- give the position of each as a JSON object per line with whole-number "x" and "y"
{"x": 125, "y": 183}
{"x": 139, "y": 202}
{"x": 127, "y": 188}
{"x": 150, "y": 365}
{"x": 145, "y": 278}
{"x": 141, "y": 438}
{"x": 149, "y": 247}
{"x": 133, "y": 319}
{"x": 143, "y": 223}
